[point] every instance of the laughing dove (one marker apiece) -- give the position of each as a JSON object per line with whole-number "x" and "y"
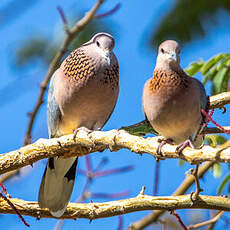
{"x": 172, "y": 101}
{"x": 82, "y": 93}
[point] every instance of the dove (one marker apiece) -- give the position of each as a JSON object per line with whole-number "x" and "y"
{"x": 172, "y": 101}
{"x": 83, "y": 92}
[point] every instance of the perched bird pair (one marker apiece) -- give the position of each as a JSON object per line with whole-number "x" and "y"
{"x": 83, "y": 93}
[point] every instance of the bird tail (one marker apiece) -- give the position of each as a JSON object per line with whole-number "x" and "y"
{"x": 57, "y": 185}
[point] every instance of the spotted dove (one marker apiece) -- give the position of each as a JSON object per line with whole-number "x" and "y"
{"x": 172, "y": 101}
{"x": 82, "y": 93}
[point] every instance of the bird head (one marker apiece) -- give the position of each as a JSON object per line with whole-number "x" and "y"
{"x": 169, "y": 52}
{"x": 104, "y": 44}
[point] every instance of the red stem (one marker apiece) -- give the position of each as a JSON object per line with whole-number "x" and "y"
{"x": 214, "y": 122}
{"x": 3, "y": 188}
{"x": 179, "y": 220}
{"x": 15, "y": 209}
{"x": 88, "y": 164}
{"x": 210, "y": 114}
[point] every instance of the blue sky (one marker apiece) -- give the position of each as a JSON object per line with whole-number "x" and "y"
{"x": 133, "y": 24}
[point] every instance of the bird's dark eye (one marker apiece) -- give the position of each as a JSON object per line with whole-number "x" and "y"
{"x": 162, "y": 50}
{"x": 98, "y": 44}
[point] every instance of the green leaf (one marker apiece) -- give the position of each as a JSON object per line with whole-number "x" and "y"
{"x": 210, "y": 63}
{"x": 224, "y": 62}
{"x": 140, "y": 129}
{"x": 214, "y": 140}
{"x": 218, "y": 81}
{"x": 223, "y": 184}
{"x": 210, "y": 74}
{"x": 217, "y": 170}
{"x": 181, "y": 162}
{"x": 194, "y": 67}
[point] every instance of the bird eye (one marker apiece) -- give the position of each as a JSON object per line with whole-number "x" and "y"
{"x": 98, "y": 44}
{"x": 162, "y": 50}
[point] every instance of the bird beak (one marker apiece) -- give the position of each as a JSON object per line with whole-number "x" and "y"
{"x": 107, "y": 55}
{"x": 173, "y": 56}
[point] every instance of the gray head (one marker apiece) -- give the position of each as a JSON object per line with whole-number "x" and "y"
{"x": 102, "y": 44}
{"x": 168, "y": 53}
{"x": 104, "y": 41}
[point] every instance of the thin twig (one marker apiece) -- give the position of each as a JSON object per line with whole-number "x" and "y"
{"x": 63, "y": 17}
{"x": 142, "y": 192}
{"x": 12, "y": 206}
{"x": 194, "y": 196}
{"x": 69, "y": 37}
{"x": 211, "y": 221}
{"x": 9, "y": 175}
{"x": 163, "y": 223}
{"x": 112, "y": 11}
{"x": 219, "y": 100}
{"x": 157, "y": 175}
{"x": 120, "y": 222}
{"x": 206, "y": 123}
{"x": 215, "y": 123}
{"x": 179, "y": 220}
{"x": 4, "y": 189}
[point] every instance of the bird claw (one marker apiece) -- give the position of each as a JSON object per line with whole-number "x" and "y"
{"x": 162, "y": 142}
{"x": 182, "y": 146}
{"x": 83, "y": 129}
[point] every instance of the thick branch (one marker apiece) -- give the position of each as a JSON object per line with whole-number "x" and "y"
{"x": 107, "y": 209}
{"x": 70, "y": 36}
{"x": 98, "y": 141}
{"x": 182, "y": 189}
{"x": 219, "y": 100}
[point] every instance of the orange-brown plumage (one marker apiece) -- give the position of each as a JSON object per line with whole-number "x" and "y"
{"x": 172, "y": 101}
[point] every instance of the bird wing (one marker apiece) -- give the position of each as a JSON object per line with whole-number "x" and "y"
{"x": 53, "y": 110}
{"x": 203, "y": 97}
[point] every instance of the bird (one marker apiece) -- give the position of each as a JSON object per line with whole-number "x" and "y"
{"x": 172, "y": 101}
{"x": 83, "y": 92}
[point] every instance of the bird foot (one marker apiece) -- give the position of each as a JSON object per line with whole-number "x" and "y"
{"x": 182, "y": 146}
{"x": 162, "y": 143}
{"x": 83, "y": 129}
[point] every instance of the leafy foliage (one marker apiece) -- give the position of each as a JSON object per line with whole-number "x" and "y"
{"x": 187, "y": 20}
{"x": 214, "y": 140}
{"x": 216, "y": 70}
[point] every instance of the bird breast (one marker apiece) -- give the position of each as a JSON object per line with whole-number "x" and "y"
{"x": 174, "y": 114}
{"x": 87, "y": 103}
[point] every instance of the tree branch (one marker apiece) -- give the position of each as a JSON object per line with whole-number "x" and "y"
{"x": 219, "y": 100}
{"x": 113, "y": 208}
{"x": 69, "y": 37}
{"x": 182, "y": 189}
{"x": 98, "y": 141}
{"x": 211, "y": 221}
